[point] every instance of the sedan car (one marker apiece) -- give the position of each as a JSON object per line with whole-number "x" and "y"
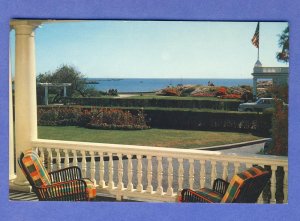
{"x": 258, "y": 106}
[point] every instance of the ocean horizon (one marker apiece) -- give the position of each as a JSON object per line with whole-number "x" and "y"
{"x": 127, "y": 85}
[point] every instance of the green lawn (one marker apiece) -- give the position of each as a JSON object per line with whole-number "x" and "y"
{"x": 152, "y": 137}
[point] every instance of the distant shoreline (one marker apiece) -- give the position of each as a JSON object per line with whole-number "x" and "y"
{"x": 146, "y": 85}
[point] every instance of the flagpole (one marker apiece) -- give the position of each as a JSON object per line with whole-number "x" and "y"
{"x": 258, "y": 41}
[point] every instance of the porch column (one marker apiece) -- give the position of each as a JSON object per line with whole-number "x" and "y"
{"x": 12, "y": 174}
{"x": 254, "y": 87}
{"x": 25, "y": 93}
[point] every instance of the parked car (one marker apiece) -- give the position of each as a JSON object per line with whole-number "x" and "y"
{"x": 258, "y": 106}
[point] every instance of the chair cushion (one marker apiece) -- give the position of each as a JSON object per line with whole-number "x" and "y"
{"x": 210, "y": 195}
{"x": 91, "y": 188}
{"x": 66, "y": 188}
{"x": 35, "y": 168}
{"x": 238, "y": 180}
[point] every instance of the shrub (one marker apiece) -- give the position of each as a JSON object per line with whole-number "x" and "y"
{"x": 169, "y": 119}
{"x": 156, "y": 102}
{"x": 221, "y": 91}
{"x": 171, "y": 91}
{"x": 103, "y": 118}
{"x": 231, "y": 96}
{"x": 57, "y": 117}
{"x": 280, "y": 129}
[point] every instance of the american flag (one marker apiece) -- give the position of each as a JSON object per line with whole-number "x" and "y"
{"x": 255, "y": 39}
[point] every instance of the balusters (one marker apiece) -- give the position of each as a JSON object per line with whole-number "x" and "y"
{"x": 83, "y": 163}
{"x": 180, "y": 174}
{"x": 58, "y": 159}
{"x": 139, "y": 174}
{"x": 191, "y": 174}
{"x": 170, "y": 177}
{"x": 120, "y": 172}
{"x": 67, "y": 161}
{"x": 75, "y": 161}
{"x": 159, "y": 176}
{"x": 42, "y": 157}
{"x": 260, "y": 198}
{"x": 285, "y": 184}
{"x": 111, "y": 184}
{"x": 93, "y": 166}
{"x": 101, "y": 169}
{"x": 225, "y": 170}
{"x": 213, "y": 171}
{"x": 149, "y": 174}
{"x": 202, "y": 173}
{"x": 50, "y": 161}
{"x": 236, "y": 167}
{"x": 129, "y": 171}
{"x": 273, "y": 184}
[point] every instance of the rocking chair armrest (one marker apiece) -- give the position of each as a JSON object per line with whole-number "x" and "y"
{"x": 188, "y": 195}
{"x": 66, "y": 174}
{"x": 220, "y": 186}
{"x": 70, "y": 190}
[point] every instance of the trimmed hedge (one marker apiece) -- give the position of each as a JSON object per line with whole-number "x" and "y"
{"x": 154, "y": 102}
{"x": 193, "y": 119}
{"x": 221, "y": 121}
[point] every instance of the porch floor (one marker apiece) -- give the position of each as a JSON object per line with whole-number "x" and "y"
{"x": 25, "y": 196}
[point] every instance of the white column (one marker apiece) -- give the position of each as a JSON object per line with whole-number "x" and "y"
{"x": 25, "y": 92}
{"x": 46, "y": 95}
{"x": 65, "y": 91}
{"x": 254, "y": 88}
{"x": 12, "y": 174}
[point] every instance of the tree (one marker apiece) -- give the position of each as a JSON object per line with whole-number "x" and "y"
{"x": 64, "y": 74}
{"x": 283, "y": 42}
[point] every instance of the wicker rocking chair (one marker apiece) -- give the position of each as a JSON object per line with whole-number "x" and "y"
{"x": 61, "y": 185}
{"x": 244, "y": 187}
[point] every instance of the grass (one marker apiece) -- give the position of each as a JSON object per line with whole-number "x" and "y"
{"x": 153, "y": 137}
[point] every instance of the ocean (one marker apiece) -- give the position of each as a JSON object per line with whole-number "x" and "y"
{"x": 126, "y": 85}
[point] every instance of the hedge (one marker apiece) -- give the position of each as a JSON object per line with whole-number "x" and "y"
{"x": 194, "y": 119}
{"x": 154, "y": 102}
{"x": 220, "y": 121}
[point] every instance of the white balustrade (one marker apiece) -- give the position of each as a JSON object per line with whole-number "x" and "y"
{"x": 202, "y": 173}
{"x": 42, "y": 156}
{"x": 191, "y": 174}
{"x": 213, "y": 171}
{"x": 273, "y": 183}
{"x": 50, "y": 160}
{"x": 139, "y": 174}
{"x": 101, "y": 171}
{"x": 225, "y": 170}
{"x": 130, "y": 173}
{"x": 58, "y": 159}
{"x": 111, "y": 184}
{"x": 180, "y": 163}
{"x": 83, "y": 163}
{"x": 67, "y": 159}
{"x": 149, "y": 174}
{"x": 93, "y": 166}
{"x": 120, "y": 172}
{"x": 180, "y": 174}
{"x": 159, "y": 176}
{"x": 170, "y": 177}
{"x": 75, "y": 161}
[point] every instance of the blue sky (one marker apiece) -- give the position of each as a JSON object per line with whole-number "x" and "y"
{"x": 156, "y": 49}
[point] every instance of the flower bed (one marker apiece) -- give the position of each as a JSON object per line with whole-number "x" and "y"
{"x": 101, "y": 118}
